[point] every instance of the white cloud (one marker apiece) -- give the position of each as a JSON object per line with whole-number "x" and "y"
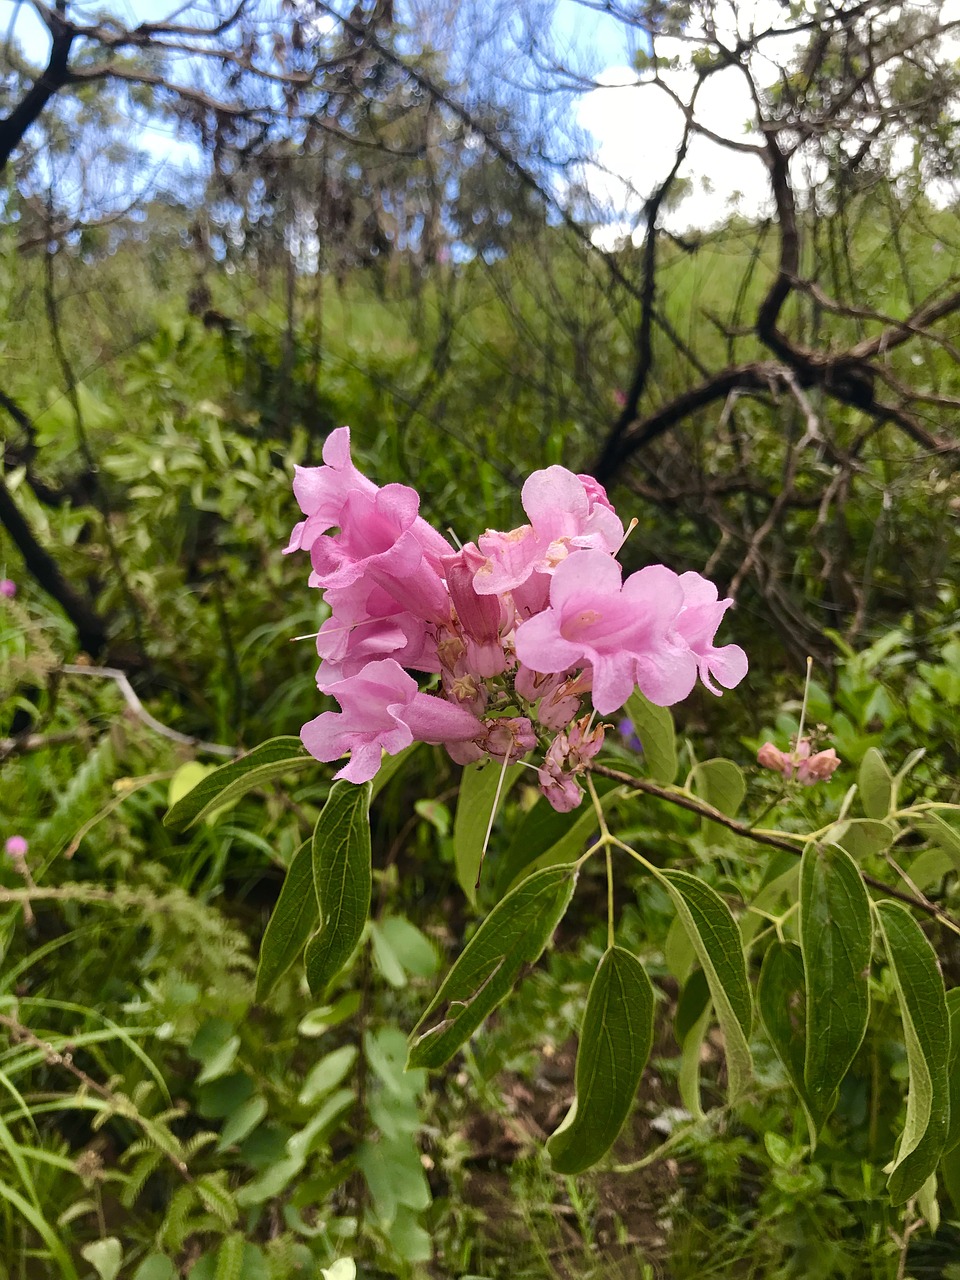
{"x": 638, "y": 128}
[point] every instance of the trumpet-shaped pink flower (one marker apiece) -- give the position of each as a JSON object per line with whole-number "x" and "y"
{"x": 367, "y": 623}
{"x": 381, "y": 709}
{"x": 566, "y": 512}
{"x": 381, "y": 541}
{"x": 697, "y": 623}
{"x": 322, "y": 491}
{"x": 479, "y": 616}
{"x": 625, "y": 632}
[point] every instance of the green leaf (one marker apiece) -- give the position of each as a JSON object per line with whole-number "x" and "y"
{"x": 614, "y": 1046}
{"x": 953, "y": 1069}
{"x": 782, "y": 1004}
{"x": 185, "y": 779}
{"x": 690, "y": 1025}
{"x": 155, "y": 1267}
{"x": 290, "y": 924}
{"x": 415, "y": 951}
{"x": 266, "y": 763}
{"x": 943, "y": 835}
{"x": 105, "y": 1256}
{"x": 326, "y": 1074}
{"x": 926, "y": 1029}
{"x": 478, "y": 786}
{"x": 876, "y": 785}
{"x": 514, "y": 934}
{"x": 719, "y": 947}
{"x": 653, "y": 725}
{"x": 242, "y": 1123}
{"x": 835, "y": 935}
{"x": 721, "y": 784}
{"x": 342, "y": 878}
{"x": 318, "y": 1021}
{"x": 862, "y": 837}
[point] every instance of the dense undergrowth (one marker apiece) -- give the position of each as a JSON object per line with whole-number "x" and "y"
{"x": 157, "y": 1120}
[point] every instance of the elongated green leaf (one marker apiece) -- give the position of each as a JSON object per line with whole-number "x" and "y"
{"x": 782, "y": 1004}
{"x": 291, "y": 923}
{"x": 953, "y": 1069}
{"x": 690, "y": 1024}
{"x": 876, "y": 784}
{"x": 266, "y": 763}
{"x": 719, "y": 947}
{"x": 513, "y": 934}
{"x": 926, "y": 1029}
{"x": 835, "y": 935}
{"x": 478, "y": 787}
{"x": 614, "y": 1046}
{"x": 653, "y": 725}
{"x": 342, "y": 880}
{"x": 943, "y": 835}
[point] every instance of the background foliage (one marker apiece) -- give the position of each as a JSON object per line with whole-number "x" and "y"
{"x": 395, "y": 243}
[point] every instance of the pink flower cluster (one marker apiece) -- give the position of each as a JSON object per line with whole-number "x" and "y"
{"x": 807, "y": 769}
{"x": 516, "y": 629}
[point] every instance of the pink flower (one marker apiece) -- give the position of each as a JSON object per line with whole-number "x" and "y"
{"x": 382, "y": 541}
{"x": 8, "y": 588}
{"x": 16, "y": 847}
{"x": 699, "y": 619}
{"x": 560, "y": 787}
{"x": 800, "y": 764}
{"x": 479, "y": 616}
{"x": 368, "y": 623}
{"x": 625, "y": 632}
{"x": 568, "y": 754}
{"x": 818, "y": 767}
{"x": 567, "y": 512}
{"x": 509, "y": 737}
{"x": 771, "y": 757}
{"x": 382, "y": 710}
{"x": 322, "y": 491}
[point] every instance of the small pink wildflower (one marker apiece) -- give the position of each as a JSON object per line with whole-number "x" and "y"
{"x": 8, "y": 588}
{"x": 16, "y": 847}
{"x": 799, "y": 764}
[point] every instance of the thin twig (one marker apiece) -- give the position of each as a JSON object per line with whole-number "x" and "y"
{"x": 762, "y": 837}
{"x": 136, "y": 706}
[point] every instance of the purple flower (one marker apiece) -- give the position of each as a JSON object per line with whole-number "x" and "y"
{"x": 16, "y": 847}
{"x": 629, "y": 735}
{"x": 8, "y": 588}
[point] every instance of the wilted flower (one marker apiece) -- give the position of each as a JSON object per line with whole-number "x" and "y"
{"x": 520, "y": 626}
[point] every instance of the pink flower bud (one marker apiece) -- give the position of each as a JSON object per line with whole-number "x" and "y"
{"x": 16, "y": 847}
{"x": 8, "y": 588}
